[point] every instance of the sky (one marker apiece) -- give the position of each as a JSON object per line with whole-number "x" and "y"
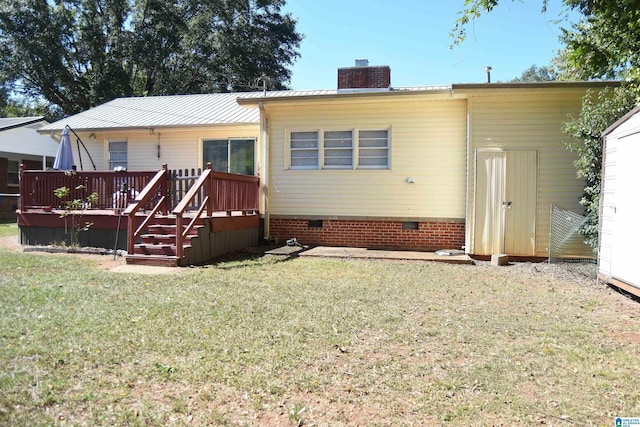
{"x": 413, "y": 38}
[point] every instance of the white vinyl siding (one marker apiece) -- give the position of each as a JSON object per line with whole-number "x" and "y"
{"x": 426, "y": 141}
{"x": 524, "y": 122}
{"x": 117, "y": 154}
{"x": 180, "y": 148}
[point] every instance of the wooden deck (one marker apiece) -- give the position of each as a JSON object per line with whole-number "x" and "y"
{"x": 215, "y": 214}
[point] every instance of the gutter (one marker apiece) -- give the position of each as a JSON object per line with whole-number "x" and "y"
{"x": 264, "y": 132}
{"x": 441, "y": 90}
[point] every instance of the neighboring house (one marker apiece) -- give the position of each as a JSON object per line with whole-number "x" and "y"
{"x": 369, "y": 165}
{"x": 21, "y": 144}
{"x": 620, "y": 204}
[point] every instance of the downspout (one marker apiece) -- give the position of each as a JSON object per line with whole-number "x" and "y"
{"x": 264, "y": 132}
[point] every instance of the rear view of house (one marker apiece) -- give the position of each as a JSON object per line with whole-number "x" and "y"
{"x": 368, "y": 164}
{"x": 474, "y": 166}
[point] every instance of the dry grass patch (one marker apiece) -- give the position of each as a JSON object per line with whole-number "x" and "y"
{"x": 271, "y": 342}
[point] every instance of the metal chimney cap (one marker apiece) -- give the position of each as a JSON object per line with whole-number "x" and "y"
{"x": 362, "y": 62}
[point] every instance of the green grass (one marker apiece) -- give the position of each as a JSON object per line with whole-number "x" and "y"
{"x": 8, "y": 227}
{"x": 269, "y": 341}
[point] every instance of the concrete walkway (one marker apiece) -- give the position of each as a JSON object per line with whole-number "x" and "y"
{"x": 343, "y": 252}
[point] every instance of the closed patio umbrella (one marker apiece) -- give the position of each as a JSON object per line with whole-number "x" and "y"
{"x": 64, "y": 156}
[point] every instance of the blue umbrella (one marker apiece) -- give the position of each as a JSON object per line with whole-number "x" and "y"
{"x": 64, "y": 156}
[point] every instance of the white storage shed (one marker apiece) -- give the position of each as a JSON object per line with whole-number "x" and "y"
{"x": 618, "y": 261}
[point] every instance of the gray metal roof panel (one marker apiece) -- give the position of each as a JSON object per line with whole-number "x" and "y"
{"x": 10, "y": 122}
{"x": 170, "y": 111}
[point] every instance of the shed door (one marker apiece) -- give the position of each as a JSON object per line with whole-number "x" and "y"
{"x": 625, "y": 219}
{"x": 505, "y": 217}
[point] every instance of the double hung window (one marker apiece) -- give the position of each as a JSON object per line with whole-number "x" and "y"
{"x": 117, "y": 154}
{"x": 13, "y": 172}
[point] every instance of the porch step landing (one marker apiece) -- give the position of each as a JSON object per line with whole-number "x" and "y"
{"x": 157, "y": 246}
{"x": 153, "y": 260}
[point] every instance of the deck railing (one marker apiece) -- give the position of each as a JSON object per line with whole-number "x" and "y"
{"x": 115, "y": 189}
{"x": 218, "y": 192}
{"x": 148, "y": 193}
{"x": 155, "y": 194}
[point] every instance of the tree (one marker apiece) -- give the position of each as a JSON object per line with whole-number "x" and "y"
{"x": 80, "y": 53}
{"x": 598, "y": 112}
{"x": 537, "y": 74}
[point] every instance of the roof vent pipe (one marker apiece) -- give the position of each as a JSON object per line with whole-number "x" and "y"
{"x": 487, "y": 69}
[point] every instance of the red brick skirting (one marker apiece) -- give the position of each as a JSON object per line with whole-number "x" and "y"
{"x": 372, "y": 234}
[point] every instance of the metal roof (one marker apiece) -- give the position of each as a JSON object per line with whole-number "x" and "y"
{"x": 239, "y": 107}
{"x": 166, "y": 111}
{"x": 22, "y": 138}
{"x": 11, "y": 122}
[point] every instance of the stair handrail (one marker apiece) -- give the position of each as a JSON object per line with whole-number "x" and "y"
{"x": 159, "y": 181}
{"x": 185, "y": 203}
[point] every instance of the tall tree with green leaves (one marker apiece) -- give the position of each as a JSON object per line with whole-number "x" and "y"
{"x": 537, "y": 74}
{"x": 599, "y": 111}
{"x": 80, "y": 53}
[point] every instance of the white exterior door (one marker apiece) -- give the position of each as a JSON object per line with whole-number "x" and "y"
{"x": 506, "y": 196}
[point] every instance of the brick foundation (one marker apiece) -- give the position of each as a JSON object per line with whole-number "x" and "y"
{"x": 429, "y": 236}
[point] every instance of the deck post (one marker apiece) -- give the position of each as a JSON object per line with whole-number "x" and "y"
{"x": 21, "y": 186}
{"x": 179, "y": 237}
{"x": 164, "y": 189}
{"x": 209, "y": 189}
{"x": 130, "y": 233}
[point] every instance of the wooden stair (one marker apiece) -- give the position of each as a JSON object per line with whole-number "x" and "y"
{"x": 158, "y": 244}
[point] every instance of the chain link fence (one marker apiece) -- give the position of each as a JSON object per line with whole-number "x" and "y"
{"x": 566, "y": 244}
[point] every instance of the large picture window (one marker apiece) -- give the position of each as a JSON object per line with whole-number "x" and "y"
{"x": 230, "y": 155}
{"x": 339, "y": 149}
{"x": 117, "y": 154}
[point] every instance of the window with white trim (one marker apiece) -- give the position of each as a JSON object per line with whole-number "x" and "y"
{"x": 339, "y": 149}
{"x": 117, "y": 154}
{"x": 304, "y": 150}
{"x": 373, "y": 149}
{"x": 13, "y": 172}
{"x": 230, "y": 155}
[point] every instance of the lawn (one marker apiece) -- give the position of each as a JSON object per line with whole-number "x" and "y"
{"x": 268, "y": 341}
{"x": 8, "y": 227}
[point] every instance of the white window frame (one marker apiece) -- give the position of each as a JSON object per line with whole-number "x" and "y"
{"x": 317, "y": 150}
{"x": 113, "y": 163}
{"x": 321, "y": 149}
{"x": 387, "y": 147}
{"x": 16, "y": 172}
{"x": 337, "y": 149}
